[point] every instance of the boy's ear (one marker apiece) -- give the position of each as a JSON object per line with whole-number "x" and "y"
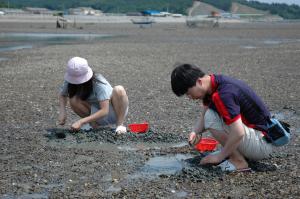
{"x": 199, "y": 81}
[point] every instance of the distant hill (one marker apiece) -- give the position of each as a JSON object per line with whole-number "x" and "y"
{"x": 174, "y": 6}
{"x": 283, "y": 10}
{"x": 237, "y": 8}
{"x": 200, "y": 8}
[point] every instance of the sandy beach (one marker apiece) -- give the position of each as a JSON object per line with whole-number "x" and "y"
{"x": 36, "y": 165}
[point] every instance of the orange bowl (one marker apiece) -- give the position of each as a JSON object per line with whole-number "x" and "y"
{"x": 206, "y": 144}
{"x": 139, "y": 127}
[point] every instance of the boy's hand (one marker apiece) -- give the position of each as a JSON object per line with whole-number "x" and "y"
{"x": 194, "y": 138}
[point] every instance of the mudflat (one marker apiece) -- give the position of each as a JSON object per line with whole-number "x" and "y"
{"x": 40, "y": 159}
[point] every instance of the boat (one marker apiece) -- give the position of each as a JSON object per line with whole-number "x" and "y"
{"x": 143, "y": 21}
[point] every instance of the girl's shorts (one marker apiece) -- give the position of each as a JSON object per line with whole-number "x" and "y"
{"x": 110, "y": 118}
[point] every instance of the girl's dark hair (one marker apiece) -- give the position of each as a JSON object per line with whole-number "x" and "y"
{"x": 82, "y": 91}
{"x": 184, "y": 76}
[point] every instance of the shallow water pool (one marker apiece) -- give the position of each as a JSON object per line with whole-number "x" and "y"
{"x": 18, "y": 41}
{"x": 162, "y": 165}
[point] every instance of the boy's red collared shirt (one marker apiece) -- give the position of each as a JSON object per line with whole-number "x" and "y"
{"x": 233, "y": 99}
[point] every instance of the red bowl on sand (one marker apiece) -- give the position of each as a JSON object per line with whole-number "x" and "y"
{"x": 206, "y": 144}
{"x": 139, "y": 127}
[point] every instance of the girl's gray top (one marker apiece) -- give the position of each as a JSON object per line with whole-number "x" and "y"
{"x": 102, "y": 90}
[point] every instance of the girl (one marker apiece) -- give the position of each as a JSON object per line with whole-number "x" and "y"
{"x": 91, "y": 97}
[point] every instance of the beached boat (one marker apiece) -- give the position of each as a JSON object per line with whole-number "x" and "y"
{"x": 142, "y": 21}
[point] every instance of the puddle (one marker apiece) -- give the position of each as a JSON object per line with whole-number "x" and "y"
{"x": 127, "y": 148}
{"x": 26, "y": 196}
{"x": 114, "y": 189}
{"x": 3, "y": 58}
{"x": 94, "y": 145}
{"x": 181, "y": 144}
{"x": 13, "y": 48}
{"x": 181, "y": 194}
{"x": 249, "y": 47}
{"x": 51, "y": 37}
{"x": 179, "y": 167}
{"x": 272, "y": 42}
{"x": 17, "y": 41}
{"x": 89, "y": 146}
{"x": 161, "y": 165}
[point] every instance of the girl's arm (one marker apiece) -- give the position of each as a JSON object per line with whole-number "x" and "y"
{"x": 62, "y": 109}
{"x": 104, "y": 105}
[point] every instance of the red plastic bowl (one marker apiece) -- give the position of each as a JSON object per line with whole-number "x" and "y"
{"x": 206, "y": 144}
{"x": 139, "y": 127}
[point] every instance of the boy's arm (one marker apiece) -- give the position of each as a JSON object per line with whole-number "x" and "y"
{"x": 198, "y": 128}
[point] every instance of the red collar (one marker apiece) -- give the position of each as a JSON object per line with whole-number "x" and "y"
{"x": 213, "y": 83}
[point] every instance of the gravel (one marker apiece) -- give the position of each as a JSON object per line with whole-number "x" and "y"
{"x": 40, "y": 159}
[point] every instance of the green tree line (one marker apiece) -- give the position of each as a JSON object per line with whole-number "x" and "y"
{"x": 175, "y": 6}
{"x": 281, "y": 9}
{"x": 115, "y": 6}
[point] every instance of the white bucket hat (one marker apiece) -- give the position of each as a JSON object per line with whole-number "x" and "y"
{"x": 78, "y": 71}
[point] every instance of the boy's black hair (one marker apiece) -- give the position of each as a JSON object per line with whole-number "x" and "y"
{"x": 82, "y": 91}
{"x": 183, "y": 77}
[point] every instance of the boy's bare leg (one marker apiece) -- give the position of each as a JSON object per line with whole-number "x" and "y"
{"x": 236, "y": 158}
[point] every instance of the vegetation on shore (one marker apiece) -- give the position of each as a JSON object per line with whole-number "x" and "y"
{"x": 281, "y": 9}
{"x": 107, "y": 6}
{"x": 174, "y": 6}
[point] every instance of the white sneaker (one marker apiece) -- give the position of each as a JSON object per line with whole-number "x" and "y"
{"x": 121, "y": 129}
{"x": 86, "y": 127}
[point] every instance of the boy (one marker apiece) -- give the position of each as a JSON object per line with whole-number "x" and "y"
{"x": 232, "y": 112}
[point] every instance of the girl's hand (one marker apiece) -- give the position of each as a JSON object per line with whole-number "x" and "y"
{"x": 77, "y": 125}
{"x": 62, "y": 118}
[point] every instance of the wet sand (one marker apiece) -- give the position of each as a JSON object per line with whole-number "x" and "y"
{"x": 265, "y": 55}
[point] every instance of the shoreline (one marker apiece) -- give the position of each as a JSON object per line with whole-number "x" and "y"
{"x": 34, "y": 18}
